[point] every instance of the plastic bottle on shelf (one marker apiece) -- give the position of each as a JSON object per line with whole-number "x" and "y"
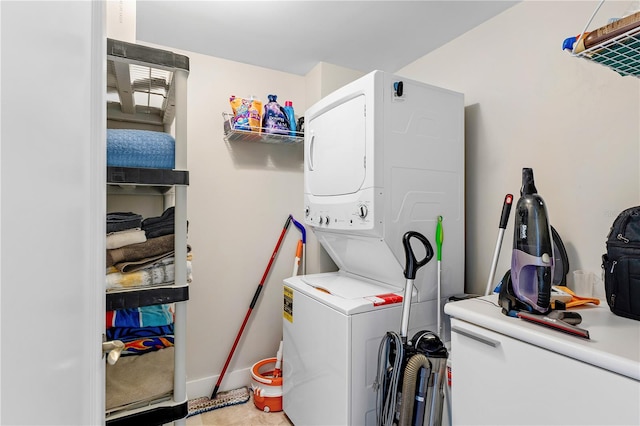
{"x": 274, "y": 119}
{"x": 288, "y": 109}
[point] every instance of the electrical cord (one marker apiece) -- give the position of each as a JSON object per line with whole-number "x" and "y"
{"x": 388, "y": 378}
{"x": 491, "y": 302}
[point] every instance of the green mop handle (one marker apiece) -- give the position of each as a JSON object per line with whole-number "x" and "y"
{"x": 439, "y": 240}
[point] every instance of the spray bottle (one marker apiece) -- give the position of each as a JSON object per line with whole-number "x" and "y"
{"x": 532, "y": 257}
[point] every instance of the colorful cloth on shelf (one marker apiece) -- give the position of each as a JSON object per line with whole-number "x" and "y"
{"x": 126, "y": 334}
{"x": 144, "y": 316}
{"x": 139, "y": 340}
{"x": 147, "y": 344}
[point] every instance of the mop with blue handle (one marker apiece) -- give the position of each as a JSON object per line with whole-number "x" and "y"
{"x": 301, "y": 249}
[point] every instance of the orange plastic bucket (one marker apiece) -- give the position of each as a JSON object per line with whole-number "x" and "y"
{"x": 267, "y": 390}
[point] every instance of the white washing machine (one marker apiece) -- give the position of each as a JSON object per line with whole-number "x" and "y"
{"x": 383, "y": 156}
{"x": 333, "y": 326}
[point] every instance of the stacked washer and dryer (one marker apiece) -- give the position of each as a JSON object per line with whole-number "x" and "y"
{"x": 383, "y": 155}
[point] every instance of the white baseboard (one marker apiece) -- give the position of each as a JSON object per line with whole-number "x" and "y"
{"x": 232, "y": 380}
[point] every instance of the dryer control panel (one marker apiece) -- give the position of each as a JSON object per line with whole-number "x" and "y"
{"x": 355, "y": 212}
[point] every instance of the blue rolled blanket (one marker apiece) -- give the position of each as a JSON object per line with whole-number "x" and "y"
{"x": 140, "y": 148}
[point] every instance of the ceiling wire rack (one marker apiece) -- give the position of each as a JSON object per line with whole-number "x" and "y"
{"x": 620, "y": 53}
{"x": 259, "y": 135}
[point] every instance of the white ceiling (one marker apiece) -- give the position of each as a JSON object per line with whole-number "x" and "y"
{"x": 294, "y": 36}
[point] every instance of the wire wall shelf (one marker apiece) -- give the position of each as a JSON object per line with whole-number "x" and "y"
{"x": 621, "y": 52}
{"x": 231, "y": 134}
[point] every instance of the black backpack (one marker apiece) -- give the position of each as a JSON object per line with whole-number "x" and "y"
{"x": 621, "y": 265}
{"x": 560, "y": 259}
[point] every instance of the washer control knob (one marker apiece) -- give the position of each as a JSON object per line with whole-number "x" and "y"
{"x": 320, "y": 220}
{"x": 326, "y": 219}
{"x": 363, "y": 211}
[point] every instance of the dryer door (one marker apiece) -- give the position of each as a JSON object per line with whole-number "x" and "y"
{"x": 335, "y": 149}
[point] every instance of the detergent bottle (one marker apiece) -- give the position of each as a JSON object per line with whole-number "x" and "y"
{"x": 274, "y": 119}
{"x": 288, "y": 109}
{"x": 532, "y": 256}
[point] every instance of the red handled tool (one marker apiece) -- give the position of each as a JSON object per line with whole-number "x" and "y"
{"x": 555, "y": 324}
{"x": 253, "y": 304}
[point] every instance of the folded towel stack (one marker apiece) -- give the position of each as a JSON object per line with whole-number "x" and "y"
{"x": 161, "y": 225}
{"x": 125, "y": 238}
{"x": 140, "y": 253}
{"x": 120, "y": 221}
{"x": 135, "y": 259}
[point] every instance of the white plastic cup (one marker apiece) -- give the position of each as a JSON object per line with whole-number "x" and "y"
{"x": 598, "y": 288}
{"x": 583, "y": 283}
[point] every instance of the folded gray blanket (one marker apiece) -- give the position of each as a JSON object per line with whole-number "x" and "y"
{"x": 161, "y": 225}
{"x": 119, "y": 221}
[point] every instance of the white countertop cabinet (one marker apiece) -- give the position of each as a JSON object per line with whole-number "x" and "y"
{"x": 511, "y": 372}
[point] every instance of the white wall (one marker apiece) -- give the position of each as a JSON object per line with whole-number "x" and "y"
{"x": 239, "y": 198}
{"x": 529, "y": 104}
{"x": 121, "y": 20}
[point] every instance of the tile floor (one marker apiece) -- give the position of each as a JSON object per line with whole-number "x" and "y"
{"x": 239, "y": 415}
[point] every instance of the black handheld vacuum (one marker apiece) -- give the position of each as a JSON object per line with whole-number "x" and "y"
{"x": 538, "y": 261}
{"x": 410, "y": 372}
{"x": 527, "y": 286}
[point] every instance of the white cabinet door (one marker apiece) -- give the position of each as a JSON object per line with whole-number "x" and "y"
{"x": 498, "y": 380}
{"x": 52, "y": 215}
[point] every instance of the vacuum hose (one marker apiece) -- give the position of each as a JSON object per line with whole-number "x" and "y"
{"x": 409, "y": 386}
{"x": 390, "y": 356}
